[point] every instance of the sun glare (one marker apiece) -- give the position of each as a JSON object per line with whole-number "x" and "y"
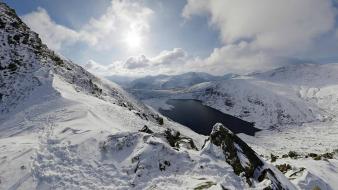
{"x": 133, "y": 39}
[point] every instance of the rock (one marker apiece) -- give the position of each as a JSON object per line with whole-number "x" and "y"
{"x": 176, "y": 140}
{"x": 293, "y": 154}
{"x": 244, "y": 161}
{"x": 284, "y": 168}
{"x": 146, "y": 129}
{"x": 273, "y": 158}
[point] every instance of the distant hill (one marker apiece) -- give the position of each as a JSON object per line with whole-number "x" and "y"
{"x": 166, "y": 82}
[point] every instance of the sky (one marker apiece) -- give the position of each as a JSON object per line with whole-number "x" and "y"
{"x": 150, "y": 37}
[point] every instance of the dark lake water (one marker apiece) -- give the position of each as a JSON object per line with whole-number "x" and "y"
{"x": 201, "y": 118}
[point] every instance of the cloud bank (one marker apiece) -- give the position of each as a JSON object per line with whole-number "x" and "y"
{"x": 262, "y": 34}
{"x": 164, "y": 62}
{"x": 281, "y": 25}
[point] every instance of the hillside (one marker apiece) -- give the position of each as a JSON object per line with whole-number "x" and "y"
{"x": 290, "y": 95}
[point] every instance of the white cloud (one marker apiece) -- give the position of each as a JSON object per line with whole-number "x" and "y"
{"x": 281, "y": 25}
{"x": 137, "y": 62}
{"x": 165, "y": 62}
{"x": 176, "y": 56}
{"x": 238, "y": 58}
{"x": 120, "y": 18}
{"x": 260, "y": 34}
{"x": 51, "y": 33}
{"x": 103, "y": 33}
{"x": 97, "y": 68}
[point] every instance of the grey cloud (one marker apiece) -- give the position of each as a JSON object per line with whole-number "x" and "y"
{"x": 176, "y": 56}
{"x": 137, "y": 62}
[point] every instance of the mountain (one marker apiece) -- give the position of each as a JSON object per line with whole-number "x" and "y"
{"x": 167, "y": 82}
{"x": 63, "y": 128}
{"x": 296, "y": 108}
{"x": 291, "y": 95}
{"x": 121, "y": 80}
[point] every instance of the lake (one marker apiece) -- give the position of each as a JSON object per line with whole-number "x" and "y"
{"x": 201, "y": 118}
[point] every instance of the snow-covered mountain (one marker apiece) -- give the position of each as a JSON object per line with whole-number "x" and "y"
{"x": 63, "y": 128}
{"x": 290, "y": 95}
{"x": 123, "y": 81}
{"x": 296, "y": 106}
{"x": 166, "y": 82}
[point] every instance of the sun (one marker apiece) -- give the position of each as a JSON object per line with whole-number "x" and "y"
{"x": 133, "y": 39}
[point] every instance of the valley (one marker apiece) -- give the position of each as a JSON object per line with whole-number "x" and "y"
{"x": 196, "y": 116}
{"x": 295, "y": 107}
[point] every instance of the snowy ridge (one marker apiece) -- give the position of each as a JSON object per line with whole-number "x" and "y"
{"x": 63, "y": 128}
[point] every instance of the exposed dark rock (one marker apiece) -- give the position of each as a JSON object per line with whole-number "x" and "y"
{"x": 161, "y": 166}
{"x": 284, "y": 168}
{"x": 146, "y": 129}
{"x": 231, "y": 145}
{"x": 17, "y": 38}
{"x": 160, "y": 120}
{"x": 273, "y": 158}
{"x": 293, "y": 154}
{"x": 325, "y": 156}
{"x": 328, "y": 155}
{"x": 297, "y": 172}
{"x": 172, "y": 137}
{"x": 2, "y": 24}
{"x": 12, "y": 67}
{"x": 313, "y": 155}
{"x": 205, "y": 185}
{"x": 175, "y": 139}
{"x": 234, "y": 149}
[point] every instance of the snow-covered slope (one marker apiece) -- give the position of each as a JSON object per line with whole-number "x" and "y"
{"x": 290, "y": 95}
{"x": 63, "y": 128}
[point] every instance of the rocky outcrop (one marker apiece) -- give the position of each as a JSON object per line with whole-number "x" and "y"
{"x": 244, "y": 161}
